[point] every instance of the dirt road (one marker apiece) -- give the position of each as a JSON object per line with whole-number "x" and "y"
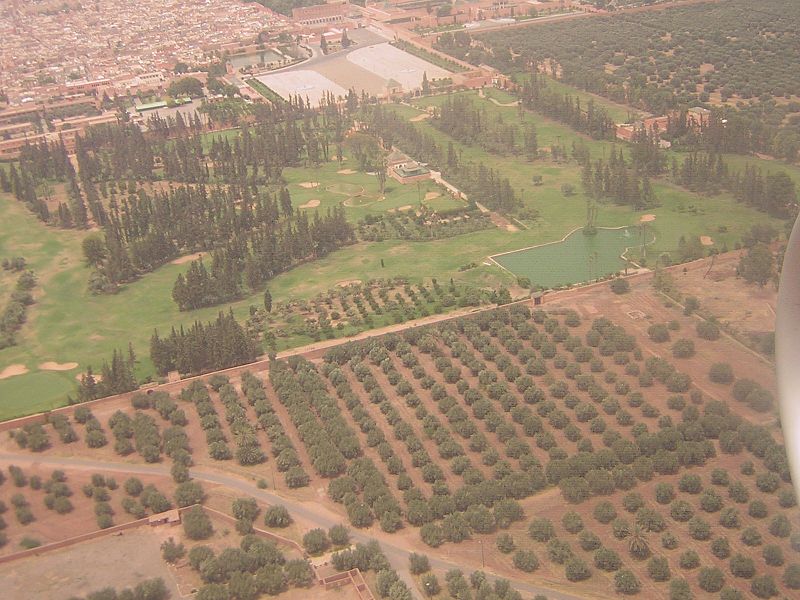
{"x": 311, "y": 512}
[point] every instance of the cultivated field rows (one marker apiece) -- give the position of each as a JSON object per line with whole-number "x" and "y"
{"x": 465, "y": 430}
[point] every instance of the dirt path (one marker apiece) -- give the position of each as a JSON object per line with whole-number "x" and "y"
{"x": 495, "y": 101}
{"x": 313, "y": 512}
{"x": 497, "y": 219}
{"x": 182, "y": 260}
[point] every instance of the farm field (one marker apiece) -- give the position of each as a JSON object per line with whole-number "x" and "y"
{"x": 745, "y": 311}
{"x": 471, "y": 432}
{"x": 718, "y": 55}
{"x": 687, "y": 62}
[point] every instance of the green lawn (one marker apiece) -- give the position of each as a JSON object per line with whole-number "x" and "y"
{"x": 359, "y": 192}
{"x": 681, "y": 212}
{"x": 69, "y": 325}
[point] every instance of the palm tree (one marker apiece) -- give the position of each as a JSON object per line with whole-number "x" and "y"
{"x": 638, "y": 545}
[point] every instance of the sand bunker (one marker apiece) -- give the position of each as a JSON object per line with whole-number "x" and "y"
{"x": 512, "y": 228}
{"x": 13, "y": 370}
{"x": 432, "y": 195}
{"x": 347, "y": 282}
{"x": 346, "y": 172}
{"x": 421, "y": 117}
{"x": 706, "y": 241}
{"x": 187, "y": 258}
{"x": 309, "y": 184}
{"x": 647, "y": 218}
{"x": 97, "y": 376}
{"x": 405, "y": 208}
{"x": 54, "y": 366}
{"x": 311, "y": 204}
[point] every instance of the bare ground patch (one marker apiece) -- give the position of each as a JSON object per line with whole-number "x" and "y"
{"x": 118, "y": 561}
{"x": 188, "y": 258}
{"x": 313, "y": 203}
{"x": 432, "y": 195}
{"x": 309, "y": 185}
{"x": 97, "y": 376}
{"x": 346, "y": 282}
{"x": 346, "y": 172}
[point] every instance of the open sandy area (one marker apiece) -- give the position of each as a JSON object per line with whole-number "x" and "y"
{"x": 747, "y": 308}
{"x": 313, "y": 203}
{"x": 345, "y": 172}
{"x": 12, "y": 370}
{"x": 54, "y": 366}
{"x": 432, "y": 195}
{"x": 347, "y": 282}
{"x": 706, "y": 240}
{"x": 647, "y": 218}
{"x": 388, "y": 62}
{"x": 188, "y": 258}
{"x": 309, "y": 185}
{"x": 117, "y": 561}
{"x": 305, "y": 83}
{"x": 419, "y": 118}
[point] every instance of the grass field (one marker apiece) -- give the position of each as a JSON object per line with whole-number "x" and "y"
{"x": 681, "y": 212}
{"x": 618, "y": 112}
{"x": 69, "y": 325}
{"x": 359, "y": 192}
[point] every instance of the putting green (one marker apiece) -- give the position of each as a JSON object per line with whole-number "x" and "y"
{"x": 359, "y": 201}
{"x": 346, "y": 189}
{"x": 574, "y": 259}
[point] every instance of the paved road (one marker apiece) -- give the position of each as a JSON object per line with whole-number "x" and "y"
{"x": 308, "y": 511}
